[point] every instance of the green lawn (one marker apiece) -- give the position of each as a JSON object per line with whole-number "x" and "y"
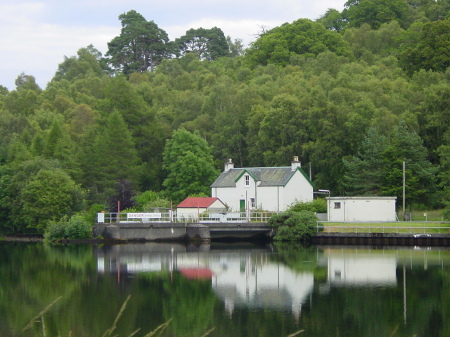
{"x": 387, "y": 227}
{"x": 434, "y": 215}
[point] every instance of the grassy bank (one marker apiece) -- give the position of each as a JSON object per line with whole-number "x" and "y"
{"x": 413, "y": 227}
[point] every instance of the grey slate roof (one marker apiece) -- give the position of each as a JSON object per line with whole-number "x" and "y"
{"x": 268, "y": 176}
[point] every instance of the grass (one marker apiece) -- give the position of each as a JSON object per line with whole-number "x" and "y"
{"x": 387, "y": 227}
{"x": 109, "y": 332}
{"x": 434, "y": 215}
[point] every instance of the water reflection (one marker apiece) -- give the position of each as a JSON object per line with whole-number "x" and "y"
{"x": 239, "y": 290}
{"x": 260, "y": 277}
{"x": 352, "y": 270}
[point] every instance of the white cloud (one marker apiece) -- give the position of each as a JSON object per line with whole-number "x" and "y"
{"x": 36, "y": 35}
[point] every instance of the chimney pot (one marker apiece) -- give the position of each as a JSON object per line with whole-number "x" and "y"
{"x": 229, "y": 165}
{"x": 295, "y": 163}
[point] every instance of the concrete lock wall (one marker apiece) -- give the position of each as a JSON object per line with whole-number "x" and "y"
{"x": 152, "y": 231}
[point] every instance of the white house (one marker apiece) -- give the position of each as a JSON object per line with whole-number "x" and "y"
{"x": 194, "y": 206}
{"x": 361, "y": 209}
{"x": 266, "y": 188}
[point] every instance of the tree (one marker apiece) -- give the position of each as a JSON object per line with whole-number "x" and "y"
{"x": 282, "y": 131}
{"x": 141, "y": 44}
{"x": 374, "y": 12}
{"x": 209, "y": 44}
{"x": 189, "y": 165}
{"x": 50, "y": 195}
{"x": 123, "y": 193}
{"x": 365, "y": 171}
{"x": 302, "y": 37}
{"x": 333, "y": 20}
{"x": 112, "y": 156}
{"x": 86, "y": 63}
{"x": 406, "y": 146}
{"x": 426, "y": 47}
{"x": 236, "y": 47}
{"x": 444, "y": 177}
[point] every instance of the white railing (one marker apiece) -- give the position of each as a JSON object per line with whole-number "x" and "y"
{"x": 173, "y": 217}
{"x": 416, "y": 230}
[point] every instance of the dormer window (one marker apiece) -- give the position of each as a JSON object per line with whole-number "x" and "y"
{"x": 247, "y": 180}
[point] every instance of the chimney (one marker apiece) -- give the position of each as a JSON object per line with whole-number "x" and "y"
{"x": 229, "y": 165}
{"x": 295, "y": 163}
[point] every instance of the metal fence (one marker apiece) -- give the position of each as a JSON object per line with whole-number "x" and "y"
{"x": 174, "y": 217}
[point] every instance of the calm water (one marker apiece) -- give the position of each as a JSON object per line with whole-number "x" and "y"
{"x": 223, "y": 290}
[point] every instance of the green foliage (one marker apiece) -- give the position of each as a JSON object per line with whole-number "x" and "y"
{"x": 365, "y": 172}
{"x": 294, "y": 226}
{"x": 374, "y": 12}
{"x": 209, "y": 44}
{"x": 149, "y": 200}
{"x": 50, "y": 195}
{"x": 312, "y": 89}
{"x": 318, "y": 205}
{"x": 426, "y": 47}
{"x": 189, "y": 164}
{"x": 140, "y": 45}
{"x": 302, "y": 37}
{"x": 75, "y": 228}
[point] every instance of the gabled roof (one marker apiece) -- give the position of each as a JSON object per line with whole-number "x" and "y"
{"x": 197, "y": 202}
{"x": 268, "y": 176}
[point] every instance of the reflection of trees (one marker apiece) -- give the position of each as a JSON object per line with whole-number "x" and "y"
{"x": 297, "y": 257}
{"x": 32, "y": 276}
{"x": 380, "y": 311}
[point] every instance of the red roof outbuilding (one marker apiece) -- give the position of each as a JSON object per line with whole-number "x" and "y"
{"x": 197, "y": 202}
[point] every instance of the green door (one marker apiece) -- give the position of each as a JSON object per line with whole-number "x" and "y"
{"x": 242, "y": 205}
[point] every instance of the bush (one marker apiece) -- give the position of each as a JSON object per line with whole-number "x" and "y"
{"x": 54, "y": 231}
{"x": 315, "y": 206}
{"x": 294, "y": 226}
{"x": 76, "y": 228}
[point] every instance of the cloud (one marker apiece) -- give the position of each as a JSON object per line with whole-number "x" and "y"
{"x": 37, "y": 34}
{"x": 37, "y": 48}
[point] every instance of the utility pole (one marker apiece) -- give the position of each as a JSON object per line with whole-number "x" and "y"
{"x": 404, "y": 192}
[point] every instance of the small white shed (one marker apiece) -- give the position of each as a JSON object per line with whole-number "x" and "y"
{"x": 192, "y": 207}
{"x": 364, "y": 209}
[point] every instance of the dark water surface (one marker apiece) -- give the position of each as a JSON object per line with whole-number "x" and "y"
{"x": 223, "y": 290}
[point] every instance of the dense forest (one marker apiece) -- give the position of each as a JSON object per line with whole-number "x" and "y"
{"x": 355, "y": 94}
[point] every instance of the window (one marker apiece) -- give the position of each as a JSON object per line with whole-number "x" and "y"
{"x": 247, "y": 180}
{"x": 253, "y": 203}
{"x": 337, "y": 205}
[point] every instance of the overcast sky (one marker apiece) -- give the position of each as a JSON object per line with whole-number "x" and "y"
{"x": 36, "y": 35}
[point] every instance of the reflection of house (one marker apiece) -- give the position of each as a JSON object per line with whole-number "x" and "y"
{"x": 193, "y": 207}
{"x": 239, "y": 279}
{"x": 361, "y": 209}
{"x": 265, "y": 188}
{"x": 242, "y": 281}
{"x": 362, "y": 270}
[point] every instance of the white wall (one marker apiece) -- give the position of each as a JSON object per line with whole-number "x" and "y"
{"x": 297, "y": 190}
{"x": 362, "y": 209}
{"x": 232, "y": 196}
{"x": 269, "y": 198}
{"x": 189, "y": 213}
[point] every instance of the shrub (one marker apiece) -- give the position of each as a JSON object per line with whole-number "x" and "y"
{"x": 55, "y": 231}
{"x": 294, "y": 226}
{"x": 75, "y": 228}
{"x": 78, "y": 228}
{"x": 317, "y": 206}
